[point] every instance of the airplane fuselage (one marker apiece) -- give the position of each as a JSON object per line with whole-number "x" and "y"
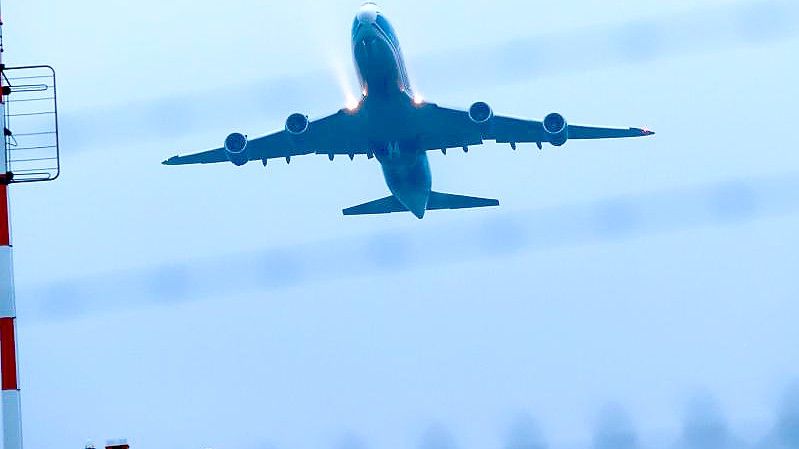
{"x": 390, "y": 109}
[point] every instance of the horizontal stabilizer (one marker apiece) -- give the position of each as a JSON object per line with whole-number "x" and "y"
{"x": 448, "y": 201}
{"x": 385, "y": 205}
{"x": 437, "y": 201}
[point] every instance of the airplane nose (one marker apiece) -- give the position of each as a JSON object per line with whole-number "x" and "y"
{"x": 368, "y": 13}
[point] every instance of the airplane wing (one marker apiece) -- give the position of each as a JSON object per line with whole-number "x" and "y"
{"x": 451, "y": 128}
{"x": 340, "y": 133}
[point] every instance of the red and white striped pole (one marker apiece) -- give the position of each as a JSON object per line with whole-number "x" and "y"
{"x": 12, "y": 423}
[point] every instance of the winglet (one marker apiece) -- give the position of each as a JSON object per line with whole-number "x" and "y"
{"x": 171, "y": 161}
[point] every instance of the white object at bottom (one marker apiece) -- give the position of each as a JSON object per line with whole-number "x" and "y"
{"x": 12, "y": 420}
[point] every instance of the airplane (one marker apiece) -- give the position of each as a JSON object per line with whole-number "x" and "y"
{"x": 397, "y": 127}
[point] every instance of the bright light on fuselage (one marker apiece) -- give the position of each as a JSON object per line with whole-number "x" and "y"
{"x": 352, "y": 104}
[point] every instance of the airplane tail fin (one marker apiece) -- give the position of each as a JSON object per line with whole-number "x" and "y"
{"x": 437, "y": 201}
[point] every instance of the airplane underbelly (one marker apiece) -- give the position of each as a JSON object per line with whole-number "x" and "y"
{"x": 409, "y": 179}
{"x": 378, "y": 67}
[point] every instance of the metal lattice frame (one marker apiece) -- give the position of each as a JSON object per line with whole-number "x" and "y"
{"x": 31, "y": 123}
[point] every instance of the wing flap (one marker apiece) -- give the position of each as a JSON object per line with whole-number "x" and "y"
{"x": 443, "y": 128}
{"x": 508, "y": 129}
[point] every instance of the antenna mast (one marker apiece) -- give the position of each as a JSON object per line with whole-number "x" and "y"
{"x": 30, "y": 155}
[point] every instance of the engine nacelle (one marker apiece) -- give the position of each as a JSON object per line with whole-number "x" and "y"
{"x": 236, "y": 148}
{"x": 556, "y": 127}
{"x": 480, "y": 113}
{"x": 297, "y": 124}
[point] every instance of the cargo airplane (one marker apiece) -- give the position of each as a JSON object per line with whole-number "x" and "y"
{"x": 398, "y": 128}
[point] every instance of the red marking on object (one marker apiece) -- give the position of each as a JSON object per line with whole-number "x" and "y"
{"x": 8, "y": 354}
{"x": 5, "y": 234}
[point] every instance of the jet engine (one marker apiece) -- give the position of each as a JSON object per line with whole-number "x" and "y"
{"x": 480, "y": 113}
{"x": 297, "y": 124}
{"x": 235, "y": 148}
{"x": 556, "y": 127}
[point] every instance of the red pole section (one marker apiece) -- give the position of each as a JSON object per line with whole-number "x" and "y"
{"x": 8, "y": 354}
{"x": 5, "y": 232}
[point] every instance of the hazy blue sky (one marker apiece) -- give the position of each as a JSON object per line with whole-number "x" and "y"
{"x": 639, "y": 273}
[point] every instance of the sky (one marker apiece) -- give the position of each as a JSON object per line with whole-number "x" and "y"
{"x": 622, "y": 288}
